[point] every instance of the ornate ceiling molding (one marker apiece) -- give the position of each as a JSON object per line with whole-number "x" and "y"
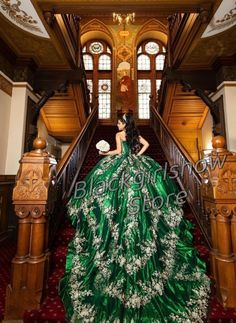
{"x": 23, "y": 15}
{"x": 224, "y": 18}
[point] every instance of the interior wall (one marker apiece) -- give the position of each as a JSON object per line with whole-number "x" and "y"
{"x": 5, "y": 108}
{"x": 228, "y": 90}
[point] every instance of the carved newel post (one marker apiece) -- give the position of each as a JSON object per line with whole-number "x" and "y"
{"x": 33, "y": 200}
{"x": 219, "y": 196}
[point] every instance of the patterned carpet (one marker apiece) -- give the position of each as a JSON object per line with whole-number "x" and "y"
{"x": 52, "y": 309}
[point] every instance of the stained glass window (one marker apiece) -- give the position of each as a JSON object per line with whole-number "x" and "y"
{"x": 150, "y": 62}
{"x": 98, "y": 64}
{"x": 143, "y": 62}
{"x": 88, "y": 62}
{"x": 160, "y": 60}
{"x": 144, "y": 92}
{"x": 96, "y": 48}
{"x": 152, "y": 48}
{"x": 104, "y": 99}
{"x": 104, "y": 62}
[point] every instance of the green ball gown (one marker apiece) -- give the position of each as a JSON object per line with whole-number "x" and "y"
{"x": 131, "y": 258}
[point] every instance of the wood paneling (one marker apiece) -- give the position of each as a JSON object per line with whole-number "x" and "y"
{"x": 185, "y": 113}
{"x": 64, "y": 115}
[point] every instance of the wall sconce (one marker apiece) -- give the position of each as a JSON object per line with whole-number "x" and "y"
{"x": 123, "y": 18}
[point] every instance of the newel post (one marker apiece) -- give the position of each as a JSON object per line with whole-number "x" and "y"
{"x": 219, "y": 196}
{"x": 33, "y": 200}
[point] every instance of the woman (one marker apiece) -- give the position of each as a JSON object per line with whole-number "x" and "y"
{"x": 131, "y": 259}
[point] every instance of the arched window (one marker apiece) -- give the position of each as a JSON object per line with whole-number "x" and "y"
{"x": 88, "y": 62}
{"x": 97, "y": 62}
{"x": 160, "y": 60}
{"x": 143, "y": 62}
{"x": 104, "y": 62}
{"x": 150, "y": 63}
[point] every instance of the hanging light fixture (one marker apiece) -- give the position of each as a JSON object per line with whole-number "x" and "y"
{"x": 123, "y": 18}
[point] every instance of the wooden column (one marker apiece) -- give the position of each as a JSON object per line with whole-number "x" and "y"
{"x": 219, "y": 195}
{"x": 32, "y": 197}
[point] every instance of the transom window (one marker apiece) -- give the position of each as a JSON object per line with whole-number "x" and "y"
{"x": 97, "y": 63}
{"x": 150, "y": 64}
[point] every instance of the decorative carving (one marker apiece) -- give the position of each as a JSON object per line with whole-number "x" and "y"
{"x": 222, "y": 210}
{"x": 37, "y": 212}
{"x": 124, "y": 52}
{"x": 227, "y": 182}
{"x": 31, "y": 186}
{"x": 228, "y": 17}
{"x": 22, "y": 211}
{"x": 204, "y": 15}
{"x": 225, "y": 211}
{"x": 19, "y": 16}
{"x": 49, "y": 17}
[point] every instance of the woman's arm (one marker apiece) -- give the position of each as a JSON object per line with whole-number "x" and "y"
{"x": 117, "y": 151}
{"x": 145, "y": 144}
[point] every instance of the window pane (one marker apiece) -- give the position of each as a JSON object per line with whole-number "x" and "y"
{"x": 160, "y": 60}
{"x": 108, "y": 50}
{"x": 158, "y": 84}
{"x": 104, "y": 99}
{"x": 139, "y": 50}
{"x": 143, "y": 62}
{"x": 144, "y": 91}
{"x": 104, "y": 62}
{"x": 96, "y": 48}
{"x": 88, "y": 62}
{"x": 84, "y": 49}
{"x": 151, "y": 48}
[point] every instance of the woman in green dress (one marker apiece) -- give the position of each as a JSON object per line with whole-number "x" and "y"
{"x": 131, "y": 258}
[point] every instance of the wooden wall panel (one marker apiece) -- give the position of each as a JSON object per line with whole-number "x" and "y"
{"x": 191, "y": 141}
{"x": 64, "y": 114}
{"x": 185, "y": 113}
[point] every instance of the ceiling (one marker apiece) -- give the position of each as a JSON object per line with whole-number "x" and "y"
{"x": 28, "y": 35}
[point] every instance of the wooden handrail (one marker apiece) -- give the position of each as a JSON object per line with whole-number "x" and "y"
{"x": 188, "y": 178}
{"x": 76, "y": 154}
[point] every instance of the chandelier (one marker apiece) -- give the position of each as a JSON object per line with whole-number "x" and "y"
{"x": 123, "y": 18}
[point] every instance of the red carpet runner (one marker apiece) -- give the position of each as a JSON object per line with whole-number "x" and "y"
{"x": 52, "y": 309}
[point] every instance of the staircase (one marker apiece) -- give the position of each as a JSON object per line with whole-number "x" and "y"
{"x": 51, "y": 309}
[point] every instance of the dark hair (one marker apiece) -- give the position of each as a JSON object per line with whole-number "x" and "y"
{"x": 132, "y": 132}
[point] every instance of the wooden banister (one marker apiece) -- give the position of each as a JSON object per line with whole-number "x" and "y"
{"x": 30, "y": 198}
{"x": 211, "y": 189}
{"x": 39, "y": 196}
{"x": 219, "y": 198}
{"x": 189, "y": 178}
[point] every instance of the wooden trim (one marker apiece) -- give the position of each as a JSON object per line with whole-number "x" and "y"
{"x": 5, "y": 84}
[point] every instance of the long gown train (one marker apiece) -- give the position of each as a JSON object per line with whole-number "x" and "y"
{"x": 131, "y": 258}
